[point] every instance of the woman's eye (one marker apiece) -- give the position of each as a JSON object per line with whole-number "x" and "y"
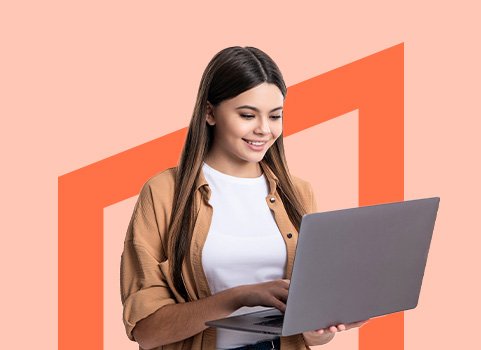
{"x": 276, "y": 116}
{"x": 247, "y": 116}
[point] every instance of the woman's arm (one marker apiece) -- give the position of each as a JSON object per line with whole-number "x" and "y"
{"x": 175, "y": 322}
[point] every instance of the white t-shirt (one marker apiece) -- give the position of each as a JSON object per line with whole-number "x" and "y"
{"x": 243, "y": 245}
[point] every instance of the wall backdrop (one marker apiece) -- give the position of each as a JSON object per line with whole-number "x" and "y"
{"x": 82, "y": 84}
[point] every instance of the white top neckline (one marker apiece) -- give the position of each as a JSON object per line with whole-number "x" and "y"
{"x": 232, "y": 178}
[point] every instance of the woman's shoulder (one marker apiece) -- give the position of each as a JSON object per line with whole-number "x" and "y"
{"x": 162, "y": 178}
{"x": 305, "y": 193}
{"x": 161, "y": 185}
{"x": 301, "y": 185}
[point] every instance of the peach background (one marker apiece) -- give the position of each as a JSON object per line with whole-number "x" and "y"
{"x": 83, "y": 81}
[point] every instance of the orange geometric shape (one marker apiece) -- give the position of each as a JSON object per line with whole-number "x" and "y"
{"x": 374, "y": 85}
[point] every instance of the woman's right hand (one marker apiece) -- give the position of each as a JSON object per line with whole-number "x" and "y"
{"x": 270, "y": 294}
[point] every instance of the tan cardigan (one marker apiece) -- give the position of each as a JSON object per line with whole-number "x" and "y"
{"x": 146, "y": 284}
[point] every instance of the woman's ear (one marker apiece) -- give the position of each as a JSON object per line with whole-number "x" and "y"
{"x": 209, "y": 114}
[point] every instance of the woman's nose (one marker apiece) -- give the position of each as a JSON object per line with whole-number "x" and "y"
{"x": 263, "y": 126}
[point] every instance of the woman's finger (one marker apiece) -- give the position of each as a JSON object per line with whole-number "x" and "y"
{"x": 341, "y": 327}
{"x": 282, "y": 294}
{"x": 355, "y": 324}
{"x": 278, "y": 304}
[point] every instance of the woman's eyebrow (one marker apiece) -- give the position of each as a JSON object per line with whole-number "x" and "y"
{"x": 257, "y": 109}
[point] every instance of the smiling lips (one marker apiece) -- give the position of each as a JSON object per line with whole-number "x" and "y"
{"x": 256, "y": 145}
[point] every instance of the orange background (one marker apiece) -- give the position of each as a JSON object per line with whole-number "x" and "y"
{"x": 83, "y": 82}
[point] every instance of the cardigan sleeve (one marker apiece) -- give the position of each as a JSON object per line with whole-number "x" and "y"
{"x": 143, "y": 285}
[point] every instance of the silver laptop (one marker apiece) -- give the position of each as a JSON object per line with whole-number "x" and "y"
{"x": 351, "y": 265}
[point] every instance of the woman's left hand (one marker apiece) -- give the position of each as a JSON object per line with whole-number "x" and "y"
{"x": 324, "y": 335}
{"x": 341, "y": 327}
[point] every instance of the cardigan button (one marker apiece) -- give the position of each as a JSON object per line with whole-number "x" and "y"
{"x": 289, "y": 235}
{"x": 272, "y": 199}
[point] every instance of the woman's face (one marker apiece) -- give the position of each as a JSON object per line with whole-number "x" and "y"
{"x": 245, "y": 126}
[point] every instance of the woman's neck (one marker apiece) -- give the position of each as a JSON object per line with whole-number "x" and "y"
{"x": 244, "y": 169}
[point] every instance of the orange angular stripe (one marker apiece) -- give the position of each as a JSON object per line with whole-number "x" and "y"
{"x": 374, "y": 85}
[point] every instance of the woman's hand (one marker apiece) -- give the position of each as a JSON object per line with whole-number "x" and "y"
{"x": 324, "y": 335}
{"x": 341, "y": 327}
{"x": 274, "y": 294}
{"x": 270, "y": 294}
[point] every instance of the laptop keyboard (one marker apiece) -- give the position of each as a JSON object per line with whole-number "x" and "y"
{"x": 272, "y": 322}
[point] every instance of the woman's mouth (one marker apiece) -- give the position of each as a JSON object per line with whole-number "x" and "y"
{"x": 255, "y": 145}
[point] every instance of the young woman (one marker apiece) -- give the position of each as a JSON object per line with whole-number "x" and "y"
{"x": 216, "y": 235}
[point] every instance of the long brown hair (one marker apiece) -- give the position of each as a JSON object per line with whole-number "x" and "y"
{"x": 231, "y": 71}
